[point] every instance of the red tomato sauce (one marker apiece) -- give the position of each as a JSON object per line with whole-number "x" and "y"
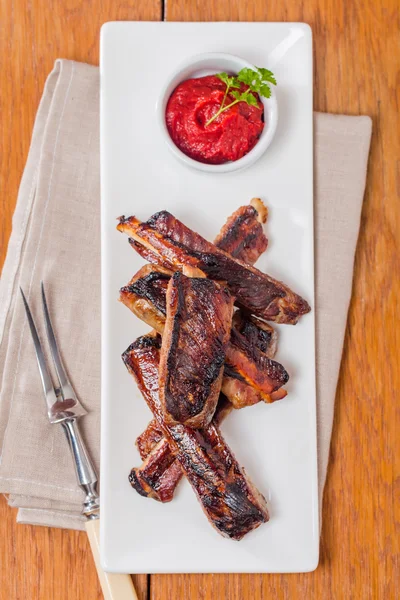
{"x": 229, "y": 137}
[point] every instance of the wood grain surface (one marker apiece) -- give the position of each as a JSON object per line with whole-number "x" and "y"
{"x": 356, "y": 52}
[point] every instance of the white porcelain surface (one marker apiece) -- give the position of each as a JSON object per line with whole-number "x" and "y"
{"x": 210, "y": 63}
{"x": 276, "y": 443}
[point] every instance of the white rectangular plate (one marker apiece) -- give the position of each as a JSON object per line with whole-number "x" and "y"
{"x": 276, "y": 443}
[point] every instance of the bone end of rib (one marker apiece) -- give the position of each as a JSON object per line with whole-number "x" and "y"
{"x": 261, "y": 209}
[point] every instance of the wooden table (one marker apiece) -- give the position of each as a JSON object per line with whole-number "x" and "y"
{"x": 356, "y": 51}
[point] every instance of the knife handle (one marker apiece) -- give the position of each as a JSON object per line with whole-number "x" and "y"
{"x": 115, "y": 586}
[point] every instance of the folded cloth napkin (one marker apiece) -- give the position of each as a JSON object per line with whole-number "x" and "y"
{"x": 55, "y": 238}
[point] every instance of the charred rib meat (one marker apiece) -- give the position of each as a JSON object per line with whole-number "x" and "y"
{"x": 257, "y": 333}
{"x": 159, "y": 474}
{"x": 150, "y": 437}
{"x": 196, "y": 333}
{"x": 242, "y": 236}
{"x": 145, "y": 295}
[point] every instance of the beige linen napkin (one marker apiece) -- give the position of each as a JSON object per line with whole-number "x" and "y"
{"x": 55, "y": 237}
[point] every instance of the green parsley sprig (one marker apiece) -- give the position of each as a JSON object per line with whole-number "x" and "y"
{"x": 257, "y": 81}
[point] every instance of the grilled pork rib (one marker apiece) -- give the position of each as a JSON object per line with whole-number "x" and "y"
{"x": 230, "y": 501}
{"x": 257, "y": 333}
{"x": 145, "y": 295}
{"x": 150, "y": 256}
{"x": 196, "y": 333}
{"x": 150, "y": 437}
{"x": 159, "y": 475}
{"x": 178, "y": 245}
{"x": 242, "y": 236}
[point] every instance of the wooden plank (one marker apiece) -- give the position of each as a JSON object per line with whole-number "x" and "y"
{"x": 356, "y": 51}
{"x": 36, "y": 562}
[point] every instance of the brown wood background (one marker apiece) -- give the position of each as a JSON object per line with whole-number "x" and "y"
{"x": 357, "y": 59}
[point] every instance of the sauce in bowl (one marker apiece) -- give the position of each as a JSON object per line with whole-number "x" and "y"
{"x": 227, "y": 138}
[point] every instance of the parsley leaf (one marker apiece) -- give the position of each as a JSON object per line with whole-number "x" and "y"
{"x": 257, "y": 81}
{"x": 248, "y": 76}
{"x": 252, "y": 100}
{"x": 237, "y": 95}
{"x": 230, "y": 81}
{"x": 265, "y": 90}
{"x": 224, "y": 77}
{"x": 267, "y": 75}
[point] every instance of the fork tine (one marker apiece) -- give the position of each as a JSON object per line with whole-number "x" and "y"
{"x": 61, "y": 374}
{"x": 47, "y": 383}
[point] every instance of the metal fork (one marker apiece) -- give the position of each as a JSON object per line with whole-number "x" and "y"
{"x": 64, "y": 407}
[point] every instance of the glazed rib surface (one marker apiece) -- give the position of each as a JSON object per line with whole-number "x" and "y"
{"x": 242, "y": 236}
{"x": 196, "y": 333}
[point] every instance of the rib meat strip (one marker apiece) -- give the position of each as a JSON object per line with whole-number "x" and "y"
{"x": 196, "y": 334}
{"x": 242, "y": 236}
{"x": 254, "y": 291}
{"x": 230, "y": 501}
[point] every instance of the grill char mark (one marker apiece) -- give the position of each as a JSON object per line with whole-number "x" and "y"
{"x": 257, "y": 333}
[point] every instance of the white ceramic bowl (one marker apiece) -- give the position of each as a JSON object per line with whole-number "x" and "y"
{"x": 209, "y": 64}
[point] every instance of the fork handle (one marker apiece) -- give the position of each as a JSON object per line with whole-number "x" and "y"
{"x": 85, "y": 472}
{"x": 115, "y": 586}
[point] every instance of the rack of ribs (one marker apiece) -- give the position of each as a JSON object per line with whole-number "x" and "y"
{"x": 230, "y": 501}
{"x": 169, "y": 242}
{"x": 196, "y": 333}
